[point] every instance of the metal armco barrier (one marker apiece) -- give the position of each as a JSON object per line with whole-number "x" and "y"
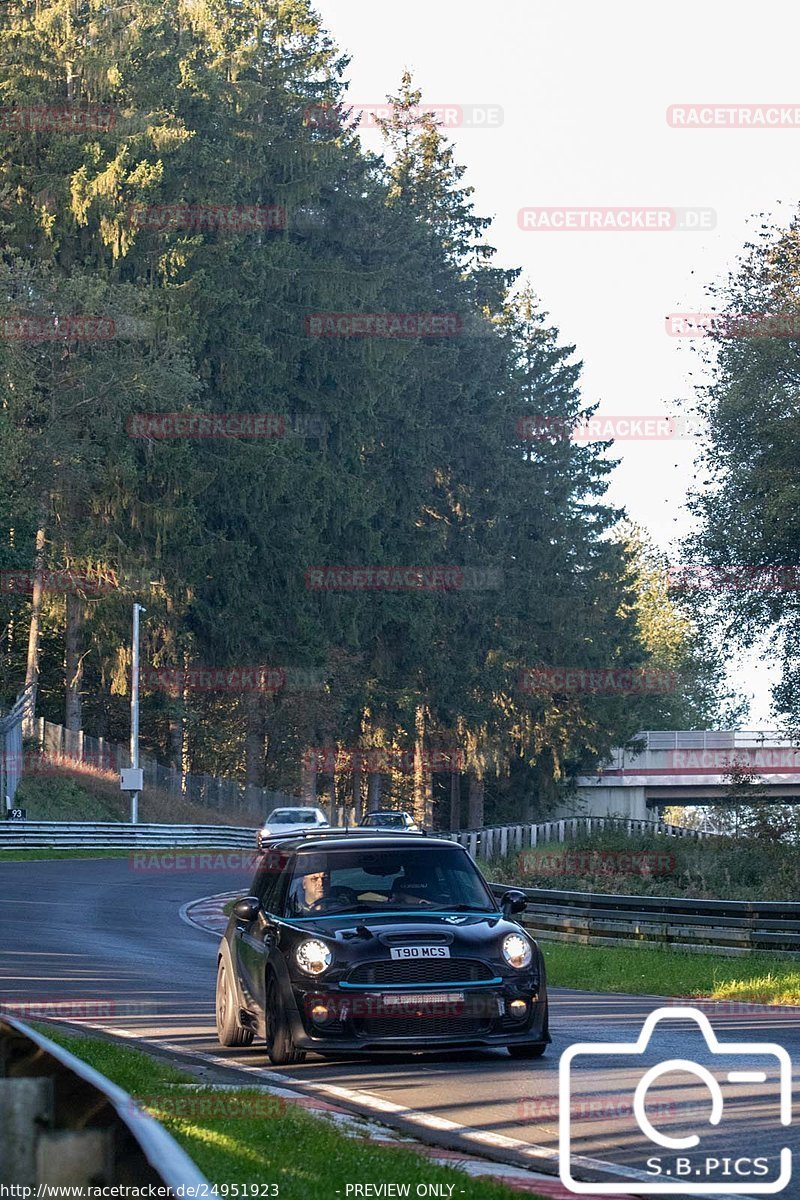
{"x": 116, "y": 835}
{"x": 502, "y": 840}
{"x": 733, "y": 927}
{"x": 65, "y": 1124}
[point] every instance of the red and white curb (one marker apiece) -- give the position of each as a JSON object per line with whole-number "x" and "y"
{"x": 207, "y": 914}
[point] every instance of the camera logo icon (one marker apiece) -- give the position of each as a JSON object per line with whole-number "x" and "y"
{"x": 704, "y": 1159}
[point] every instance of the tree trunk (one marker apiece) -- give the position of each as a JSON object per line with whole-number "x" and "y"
{"x": 374, "y": 791}
{"x": 357, "y": 806}
{"x": 176, "y": 729}
{"x": 421, "y": 799}
{"x": 73, "y": 662}
{"x": 331, "y": 790}
{"x": 476, "y": 793}
{"x": 254, "y": 753}
{"x": 308, "y": 785}
{"x": 32, "y": 668}
{"x": 455, "y": 801}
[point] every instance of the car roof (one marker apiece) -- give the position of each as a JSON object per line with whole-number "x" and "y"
{"x": 373, "y": 841}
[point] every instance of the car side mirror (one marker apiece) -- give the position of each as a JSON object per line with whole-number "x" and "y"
{"x": 513, "y": 901}
{"x": 247, "y": 909}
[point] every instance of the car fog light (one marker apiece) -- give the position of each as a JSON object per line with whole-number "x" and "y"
{"x": 320, "y": 1014}
{"x": 517, "y": 1009}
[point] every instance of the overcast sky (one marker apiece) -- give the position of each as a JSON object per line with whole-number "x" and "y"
{"x": 575, "y": 97}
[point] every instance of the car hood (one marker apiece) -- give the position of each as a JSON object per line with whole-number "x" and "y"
{"x": 465, "y": 928}
{"x": 295, "y": 827}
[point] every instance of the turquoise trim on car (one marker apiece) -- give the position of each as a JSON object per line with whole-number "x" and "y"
{"x": 428, "y": 912}
{"x": 419, "y": 987}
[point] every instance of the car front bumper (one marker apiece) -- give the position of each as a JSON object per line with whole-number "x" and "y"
{"x": 432, "y": 1019}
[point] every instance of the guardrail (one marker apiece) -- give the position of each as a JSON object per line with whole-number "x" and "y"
{"x": 486, "y": 843}
{"x": 64, "y": 1123}
{"x": 502, "y": 839}
{"x": 732, "y": 927}
{"x": 117, "y": 835}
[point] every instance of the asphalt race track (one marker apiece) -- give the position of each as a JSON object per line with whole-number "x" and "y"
{"x": 95, "y": 930}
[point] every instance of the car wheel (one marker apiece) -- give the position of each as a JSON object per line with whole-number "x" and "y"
{"x": 229, "y": 1031}
{"x": 529, "y": 1050}
{"x": 280, "y": 1047}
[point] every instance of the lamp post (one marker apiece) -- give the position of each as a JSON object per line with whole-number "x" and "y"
{"x": 137, "y": 608}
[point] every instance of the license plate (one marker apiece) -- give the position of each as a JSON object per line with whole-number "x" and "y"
{"x": 416, "y": 998}
{"x": 420, "y": 951}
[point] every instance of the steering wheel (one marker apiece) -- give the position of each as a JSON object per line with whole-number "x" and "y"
{"x": 338, "y": 895}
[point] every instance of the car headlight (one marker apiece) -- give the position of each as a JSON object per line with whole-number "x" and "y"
{"x": 517, "y": 951}
{"x": 313, "y": 957}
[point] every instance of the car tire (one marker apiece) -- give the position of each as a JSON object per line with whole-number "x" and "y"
{"x": 527, "y": 1050}
{"x": 281, "y": 1050}
{"x": 229, "y": 1030}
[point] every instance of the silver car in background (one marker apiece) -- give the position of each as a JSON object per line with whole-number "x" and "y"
{"x": 291, "y": 820}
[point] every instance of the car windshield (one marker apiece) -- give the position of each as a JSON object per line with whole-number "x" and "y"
{"x": 386, "y": 880}
{"x": 292, "y": 816}
{"x": 386, "y": 819}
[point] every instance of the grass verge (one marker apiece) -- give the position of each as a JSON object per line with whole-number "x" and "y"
{"x": 757, "y": 979}
{"x": 304, "y": 1155}
{"x": 79, "y": 792}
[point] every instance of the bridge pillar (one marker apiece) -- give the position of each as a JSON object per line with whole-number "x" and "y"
{"x": 610, "y": 801}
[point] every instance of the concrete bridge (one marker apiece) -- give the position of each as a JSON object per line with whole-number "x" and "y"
{"x": 690, "y": 767}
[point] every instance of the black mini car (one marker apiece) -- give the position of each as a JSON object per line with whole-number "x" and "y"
{"x": 366, "y": 942}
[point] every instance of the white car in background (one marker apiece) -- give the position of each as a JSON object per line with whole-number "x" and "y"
{"x": 291, "y": 820}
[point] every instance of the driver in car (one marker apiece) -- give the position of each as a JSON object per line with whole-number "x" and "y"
{"x": 310, "y": 890}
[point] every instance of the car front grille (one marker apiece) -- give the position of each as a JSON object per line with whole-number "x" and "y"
{"x": 422, "y": 1027}
{"x": 421, "y": 970}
